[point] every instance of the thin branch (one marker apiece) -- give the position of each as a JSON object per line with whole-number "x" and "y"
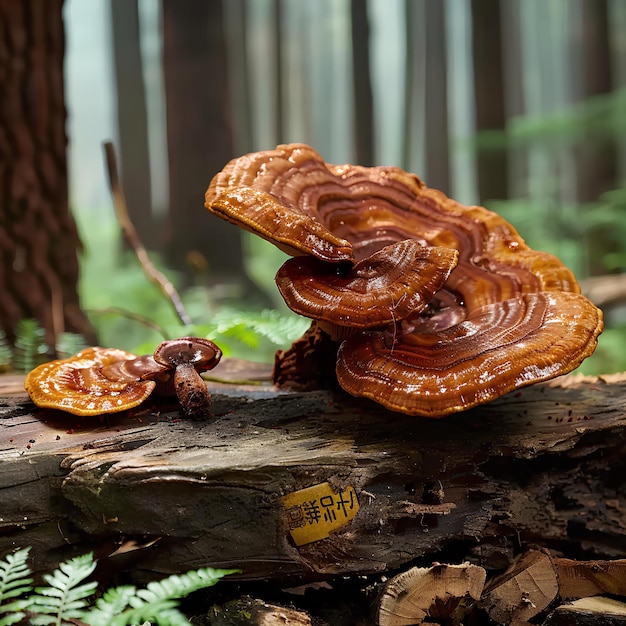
{"x": 131, "y": 236}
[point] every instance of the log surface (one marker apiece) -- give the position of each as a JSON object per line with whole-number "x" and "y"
{"x": 542, "y": 466}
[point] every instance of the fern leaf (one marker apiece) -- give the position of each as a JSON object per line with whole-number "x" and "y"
{"x": 176, "y": 586}
{"x": 111, "y": 605}
{"x": 43, "y": 620}
{"x": 157, "y": 603}
{"x": 15, "y": 613}
{"x": 14, "y": 576}
{"x": 65, "y": 597}
{"x": 6, "y": 353}
{"x": 278, "y": 328}
{"x": 69, "y": 344}
{"x": 15, "y": 581}
{"x": 158, "y": 613}
{"x": 30, "y": 345}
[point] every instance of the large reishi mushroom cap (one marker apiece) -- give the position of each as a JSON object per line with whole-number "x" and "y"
{"x": 79, "y": 386}
{"x": 438, "y": 352}
{"x": 387, "y": 286}
{"x": 498, "y": 348}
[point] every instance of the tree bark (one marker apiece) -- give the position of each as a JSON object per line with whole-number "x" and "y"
{"x": 199, "y": 136}
{"x": 542, "y": 466}
{"x": 436, "y": 99}
{"x": 132, "y": 119}
{"x": 363, "y": 98}
{"x": 489, "y": 96}
{"x": 38, "y": 238}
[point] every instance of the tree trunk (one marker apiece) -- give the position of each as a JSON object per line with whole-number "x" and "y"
{"x": 437, "y": 173}
{"x": 38, "y": 238}
{"x": 199, "y": 135}
{"x": 597, "y": 152}
{"x": 489, "y": 96}
{"x": 320, "y": 484}
{"x": 363, "y": 99}
{"x": 132, "y": 119}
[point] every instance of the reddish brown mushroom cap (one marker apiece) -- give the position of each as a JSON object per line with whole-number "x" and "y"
{"x": 187, "y": 357}
{"x": 385, "y": 287}
{"x": 77, "y": 385}
{"x": 202, "y": 353}
{"x": 498, "y": 348}
{"x": 492, "y": 326}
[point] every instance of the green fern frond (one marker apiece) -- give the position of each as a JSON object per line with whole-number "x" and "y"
{"x": 30, "y": 345}
{"x": 69, "y": 344}
{"x": 15, "y": 581}
{"x": 6, "y": 353}
{"x": 157, "y": 603}
{"x": 65, "y": 597}
{"x": 68, "y": 597}
{"x": 278, "y": 328}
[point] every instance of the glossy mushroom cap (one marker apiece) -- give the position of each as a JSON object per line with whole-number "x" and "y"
{"x": 187, "y": 357}
{"x": 387, "y": 286}
{"x": 108, "y": 380}
{"x": 499, "y": 347}
{"x": 79, "y": 386}
{"x": 504, "y": 317}
{"x": 203, "y": 354}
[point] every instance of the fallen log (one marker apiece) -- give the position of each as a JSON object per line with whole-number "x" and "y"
{"x": 373, "y": 490}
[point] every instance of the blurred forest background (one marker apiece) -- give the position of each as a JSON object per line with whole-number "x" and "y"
{"x": 518, "y": 105}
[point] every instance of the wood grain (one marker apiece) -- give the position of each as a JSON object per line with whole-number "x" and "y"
{"x": 539, "y": 466}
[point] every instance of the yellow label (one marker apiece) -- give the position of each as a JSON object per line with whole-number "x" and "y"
{"x": 314, "y": 512}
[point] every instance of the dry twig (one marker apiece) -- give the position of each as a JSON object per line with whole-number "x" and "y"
{"x": 131, "y": 236}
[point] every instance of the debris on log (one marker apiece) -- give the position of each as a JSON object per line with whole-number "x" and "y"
{"x": 522, "y": 592}
{"x": 253, "y": 612}
{"x": 597, "y": 611}
{"x": 432, "y": 593}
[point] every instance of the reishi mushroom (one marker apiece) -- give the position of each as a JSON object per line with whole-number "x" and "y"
{"x": 391, "y": 284}
{"x": 108, "y": 380}
{"x": 496, "y": 317}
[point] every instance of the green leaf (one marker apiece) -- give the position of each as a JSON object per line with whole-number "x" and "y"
{"x": 14, "y": 576}
{"x": 155, "y": 603}
{"x": 65, "y": 597}
{"x": 15, "y": 581}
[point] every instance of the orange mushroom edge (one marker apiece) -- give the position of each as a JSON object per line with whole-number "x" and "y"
{"x": 420, "y": 303}
{"x": 98, "y": 380}
{"x": 78, "y": 385}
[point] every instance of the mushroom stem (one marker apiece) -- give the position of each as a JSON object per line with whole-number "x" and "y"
{"x": 191, "y": 391}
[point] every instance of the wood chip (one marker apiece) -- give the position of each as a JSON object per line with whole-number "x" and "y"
{"x": 579, "y": 579}
{"x": 589, "y": 612}
{"x": 435, "y": 592}
{"x": 523, "y": 591}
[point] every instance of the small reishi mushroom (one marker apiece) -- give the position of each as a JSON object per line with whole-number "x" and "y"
{"x": 506, "y": 316}
{"x": 108, "y": 380}
{"x": 188, "y": 357}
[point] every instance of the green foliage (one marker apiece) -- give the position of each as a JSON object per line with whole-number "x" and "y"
{"x": 110, "y": 276}
{"x": 64, "y": 598}
{"x": 69, "y": 344}
{"x": 6, "y": 353}
{"x": 15, "y": 581}
{"x": 68, "y": 597}
{"x": 601, "y": 115}
{"x": 30, "y": 346}
{"x": 31, "y": 349}
{"x": 156, "y": 603}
